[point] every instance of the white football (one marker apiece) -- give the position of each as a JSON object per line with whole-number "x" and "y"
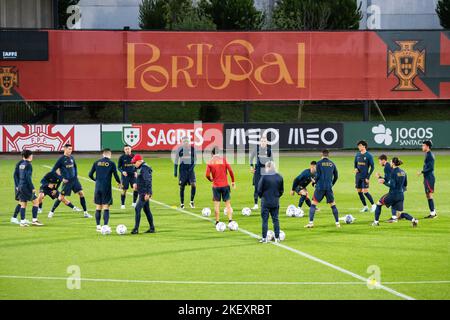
{"x": 291, "y": 210}
{"x": 246, "y": 212}
{"x": 349, "y": 219}
{"x": 270, "y": 235}
{"x": 221, "y": 227}
{"x": 121, "y": 229}
{"x": 233, "y": 226}
{"x": 299, "y": 213}
{"x": 206, "y": 212}
{"x": 105, "y": 230}
{"x": 282, "y": 235}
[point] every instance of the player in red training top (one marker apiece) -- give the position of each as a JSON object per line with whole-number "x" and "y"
{"x": 216, "y": 172}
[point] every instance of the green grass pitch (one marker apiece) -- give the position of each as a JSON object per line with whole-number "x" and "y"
{"x": 188, "y": 259}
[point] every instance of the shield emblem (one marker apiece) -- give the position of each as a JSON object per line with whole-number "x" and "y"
{"x": 131, "y": 136}
{"x": 7, "y": 82}
{"x": 406, "y": 65}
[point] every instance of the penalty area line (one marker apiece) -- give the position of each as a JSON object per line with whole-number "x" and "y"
{"x": 298, "y": 252}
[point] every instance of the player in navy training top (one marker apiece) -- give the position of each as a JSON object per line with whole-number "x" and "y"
{"x": 397, "y": 184}
{"x": 262, "y": 153}
{"x": 128, "y": 172}
{"x": 326, "y": 177}
{"x": 184, "y": 165}
{"x": 101, "y": 172}
{"x": 302, "y": 181}
{"x": 16, "y": 195}
{"x": 364, "y": 167}
{"x": 428, "y": 177}
{"x": 25, "y": 189}
{"x": 382, "y": 160}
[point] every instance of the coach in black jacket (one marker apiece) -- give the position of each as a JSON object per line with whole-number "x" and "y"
{"x": 270, "y": 189}
{"x": 144, "y": 188}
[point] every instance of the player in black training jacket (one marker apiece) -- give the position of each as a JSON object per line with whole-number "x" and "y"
{"x": 184, "y": 165}
{"x": 428, "y": 177}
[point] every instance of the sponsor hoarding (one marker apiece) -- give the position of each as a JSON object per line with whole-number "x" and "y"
{"x": 397, "y": 134}
{"x": 49, "y": 138}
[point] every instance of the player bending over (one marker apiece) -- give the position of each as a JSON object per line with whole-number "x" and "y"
{"x": 326, "y": 177}
{"x": 128, "y": 173}
{"x": 26, "y": 190}
{"x": 216, "y": 172}
{"x": 397, "y": 186}
{"x": 382, "y": 159}
{"x": 302, "y": 181}
{"x": 16, "y": 193}
{"x": 101, "y": 172}
{"x": 364, "y": 167}
{"x": 185, "y": 160}
{"x": 49, "y": 187}
{"x": 68, "y": 168}
{"x": 144, "y": 188}
{"x": 262, "y": 154}
{"x": 428, "y": 177}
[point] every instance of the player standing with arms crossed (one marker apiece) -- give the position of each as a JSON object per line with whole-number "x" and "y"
{"x": 185, "y": 160}
{"x": 68, "y": 168}
{"x": 103, "y": 169}
{"x": 428, "y": 177}
{"x": 326, "y": 177}
{"x": 216, "y": 172}
{"x": 364, "y": 167}
{"x": 128, "y": 173}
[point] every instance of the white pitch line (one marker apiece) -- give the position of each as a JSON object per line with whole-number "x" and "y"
{"x": 298, "y": 252}
{"x": 243, "y": 283}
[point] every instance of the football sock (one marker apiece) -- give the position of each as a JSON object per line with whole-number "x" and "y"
{"x": 40, "y": 205}
{"x": 181, "y": 194}
{"x": 34, "y": 212}
{"x": 22, "y": 213}
{"x": 378, "y": 213}
{"x": 300, "y": 202}
{"x": 369, "y": 196}
{"x": 106, "y": 216}
{"x": 431, "y": 204}
{"x": 363, "y": 200}
{"x": 70, "y": 205}
{"x": 406, "y": 216}
{"x": 335, "y": 213}
{"x": 193, "y": 190}
{"x": 312, "y": 211}
{"x": 16, "y": 211}
{"x": 394, "y": 213}
{"x": 308, "y": 202}
{"x": 98, "y": 214}
{"x": 55, "y": 205}
{"x": 83, "y": 203}
{"x": 122, "y": 199}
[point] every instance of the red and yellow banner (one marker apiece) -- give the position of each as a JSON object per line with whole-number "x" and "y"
{"x": 182, "y": 66}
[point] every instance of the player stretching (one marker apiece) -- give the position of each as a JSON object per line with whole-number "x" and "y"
{"x": 103, "y": 169}
{"x": 16, "y": 185}
{"x": 128, "y": 172}
{"x": 49, "y": 187}
{"x": 216, "y": 172}
{"x": 364, "y": 167}
{"x": 263, "y": 154}
{"x": 302, "y": 181}
{"x": 428, "y": 177}
{"x": 26, "y": 191}
{"x": 185, "y": 159}
{"x": 326, "y": 177}
{"x": 68, "y": 168}
{"x": 144, "y": 188}
{"x": 382, "y": 159}
{"x": 397, "y": 186}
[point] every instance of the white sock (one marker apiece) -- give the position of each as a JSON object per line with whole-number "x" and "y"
{"x": 394, "y": 217}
